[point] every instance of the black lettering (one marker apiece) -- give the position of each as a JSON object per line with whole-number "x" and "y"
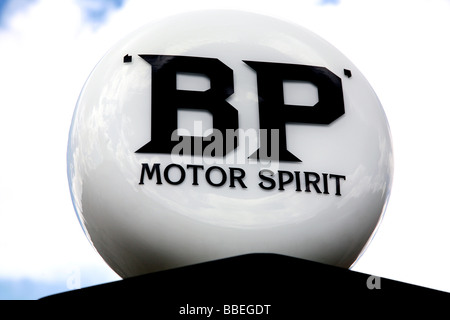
{"x": 297, "y": 181}
{"x": 325, "y": 183}
{"x": 222, "y": 172}
{"x": 283, "y": 182}
{"x": 195, "y": 175}
{"x": 166, "y": 100}
{"x": 313, "y": 182}
{"x": 274, "y": 113}
{"x": 216, "y": 176}
{"x": 338, "y": 184}
{"x": 238, "y": 178}
{"x": 167, "y": 177}
{"x": 150, "y": 173}
{"x": 272, "y": 183}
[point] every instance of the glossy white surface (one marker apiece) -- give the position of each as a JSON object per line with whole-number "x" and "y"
{"x": 144, "y": 228}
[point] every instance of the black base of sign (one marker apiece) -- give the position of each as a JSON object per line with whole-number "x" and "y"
{"x": 257, "y": 286}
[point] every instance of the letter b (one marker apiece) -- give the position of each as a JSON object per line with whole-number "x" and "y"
{"x": 167, "y": 99}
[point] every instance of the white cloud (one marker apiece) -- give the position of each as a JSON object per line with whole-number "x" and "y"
{"x": 48, "y": 51}
{"x": 44, "y": 63}
{"x": 399, "y": 46}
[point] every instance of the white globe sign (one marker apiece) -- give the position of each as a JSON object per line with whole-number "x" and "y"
{"x": 215, "y": 134}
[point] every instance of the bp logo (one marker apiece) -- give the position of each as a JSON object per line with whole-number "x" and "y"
{"x": 274, "y": 113}
{"x": 213, "y": 134}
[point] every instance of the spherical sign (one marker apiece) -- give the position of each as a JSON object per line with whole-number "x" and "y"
{"x": 215, "y": 134}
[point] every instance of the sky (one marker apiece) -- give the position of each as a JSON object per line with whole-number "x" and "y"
{"x": 49, "y": 47}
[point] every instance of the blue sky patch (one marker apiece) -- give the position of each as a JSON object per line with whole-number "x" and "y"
{"x": 325, "y": 2}
{"x": 10, "y": 7}
{"x": 96, "y": 11}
